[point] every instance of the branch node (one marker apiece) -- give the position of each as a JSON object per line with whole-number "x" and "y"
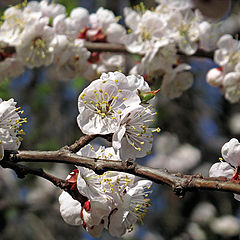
{"x": 179, "y": 191}
{"x": 129, "y": 163}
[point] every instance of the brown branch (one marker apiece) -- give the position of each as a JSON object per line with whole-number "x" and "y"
{"x": 22, "y": 171}
{"x": 84, "y": 140}
{"x": 178, "y": 182}
{"x": 105, "y": 47}
{"x": 81, "y": 142}
{"x": 119, "y": 48}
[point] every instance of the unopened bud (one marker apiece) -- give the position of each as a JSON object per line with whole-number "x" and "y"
{"x": 146, "y": 96}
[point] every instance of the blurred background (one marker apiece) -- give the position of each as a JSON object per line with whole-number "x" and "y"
{"x": 194, "y": 128}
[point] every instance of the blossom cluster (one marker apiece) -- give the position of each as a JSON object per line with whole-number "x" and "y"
{"x": 227, "y": 75}
{"x": 118, "y": 105}
{"x": 10, "y": 126}
{"x": 112, "y": 104}
{"x": 42, "y": 34}
{"x": 230, "y": 167}
{"x": 37, "y": 34}
{"x": 112, "y": 201}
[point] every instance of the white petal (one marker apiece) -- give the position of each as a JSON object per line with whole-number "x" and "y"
{"x": 221, "y": 169}
{"x": 117, "y": 137}
{"x": 70, "y": 209}
{"x": 231, "y": 152}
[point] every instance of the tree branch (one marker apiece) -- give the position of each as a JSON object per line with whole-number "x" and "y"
{"x": 180, "y": 183}
{"x": 119, "y": 48}
{"x": 81, "y": 142}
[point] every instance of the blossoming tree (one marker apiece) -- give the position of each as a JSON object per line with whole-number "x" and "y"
{"x": 131, "y": 71}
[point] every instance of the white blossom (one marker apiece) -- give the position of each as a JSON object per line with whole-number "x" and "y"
{"x": 231, "y": 84}
{"x": 72, "y": 26}
{"x": 134, "y": 137}
{"x": 175, "y": 5}
{"x": 228, "y": 53}
{"x": 109, "y": 62}
{"x": 145, "y": 29}
{"x": 158, "y": 60}
{"x": 114, "y": 200}
{"x": 10, "y": 64}
{"x": 37, "y": 45}
{"x": 46, "y": 9}
{"x": 231, "y": 168}
{"x": 177, "y": 81}
{"x": 209, "y": 33}
{"x": 10, "y": 125}
{"x": 215, "y": 77}
{"x": 187, "y": 31}
{"x": 135, "y": 203}
{"x": 100, "y": 106}
{"x": 231, "y": 152}
{"x": 70, "y": 59}
{"x": 131, "y": 82}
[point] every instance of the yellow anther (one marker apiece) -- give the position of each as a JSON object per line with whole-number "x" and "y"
{"x": 103, "y": 114}
{"x": 119, "y": 112}
{"x": 100, "y": 90}
{"x": 85, "y": 102}
{"x": 156, "y": 130}
{"x": 116, "y": 80}
{"x": 119, "y": 90}
{"x": 113, "y": 117}
{"x": 95, "y": 91}
{"x": 139, "y": 149}
{"x": 98, "y": 111}
{"x": 142, "y": 143}
{"x": 124, "y": 99}
{"x": 91, "y": 102}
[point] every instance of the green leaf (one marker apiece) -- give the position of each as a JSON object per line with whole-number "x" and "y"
{"x": 69, "y": 5}
{"x": 4, "y": 89}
